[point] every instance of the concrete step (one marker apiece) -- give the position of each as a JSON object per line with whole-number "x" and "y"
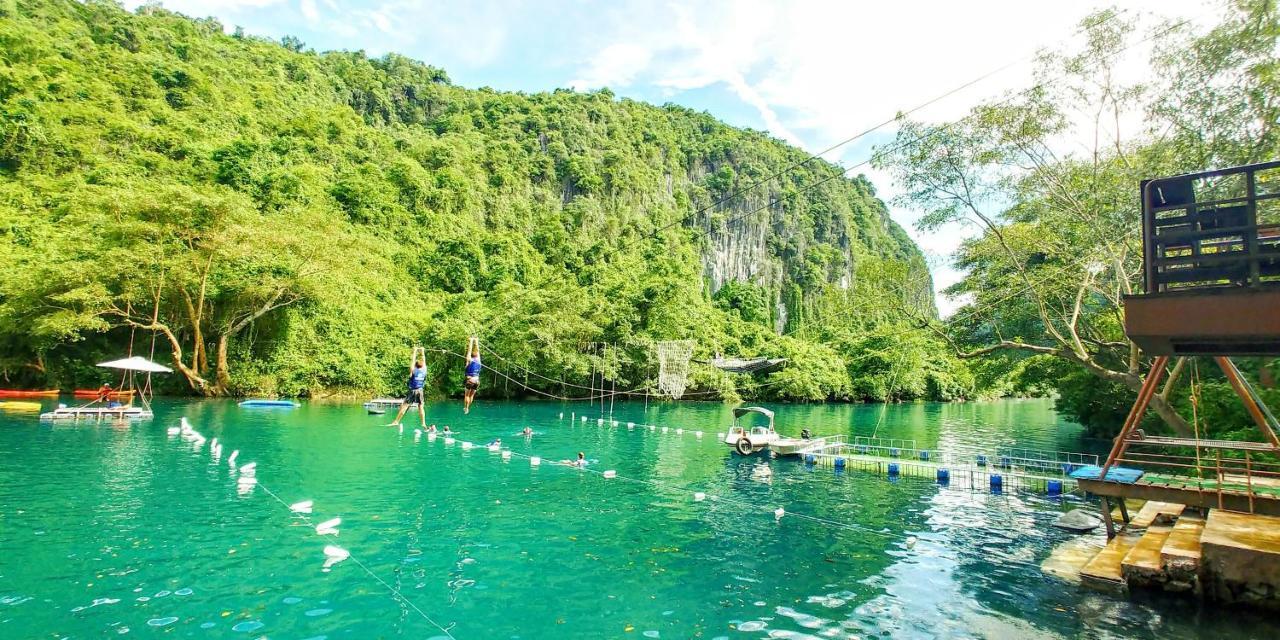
{"x": 1104, "y": 572}
{"x": 1142, "y": 565}
{"x": 1180, "y": 555}
{"x": 1241, "y": 558}
{"x": 1156, "y": 513}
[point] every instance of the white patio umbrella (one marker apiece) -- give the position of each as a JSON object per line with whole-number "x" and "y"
{"x": 136, "y": 363}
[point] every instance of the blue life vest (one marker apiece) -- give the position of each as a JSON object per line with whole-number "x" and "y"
{"x": 417, "y": 378}
{"x": 473, "y": 368}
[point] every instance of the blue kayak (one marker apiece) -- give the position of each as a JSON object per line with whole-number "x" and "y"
{"x": 252, "y": 404}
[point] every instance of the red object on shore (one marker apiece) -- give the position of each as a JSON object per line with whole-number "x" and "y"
{"x": 23, "y": 393}
{"x": 115, "y": 395}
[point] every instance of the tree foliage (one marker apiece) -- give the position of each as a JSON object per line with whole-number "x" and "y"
{"x": 284, "y": 221}
{"x": 1050, "y": 176}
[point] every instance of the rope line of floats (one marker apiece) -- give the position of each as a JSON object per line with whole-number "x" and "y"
{"x": 779, "y": 512}
{"x": 247, "y": 479}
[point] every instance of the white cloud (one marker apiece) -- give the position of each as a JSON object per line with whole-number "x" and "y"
{"x": 309, "y": 10}
{"x": 616, "y": 65}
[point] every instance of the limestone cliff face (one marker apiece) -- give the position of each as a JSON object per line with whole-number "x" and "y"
{"x": 792, "y": 251}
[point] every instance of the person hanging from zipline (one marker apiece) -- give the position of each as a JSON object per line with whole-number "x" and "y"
{"x": 417, "y": 378}
{"x": 472, "y": 382}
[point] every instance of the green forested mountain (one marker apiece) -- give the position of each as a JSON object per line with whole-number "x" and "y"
{"x": 285, "y": 221}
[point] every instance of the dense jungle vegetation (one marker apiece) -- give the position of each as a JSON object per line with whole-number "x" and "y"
{"x": 281, "y": 221}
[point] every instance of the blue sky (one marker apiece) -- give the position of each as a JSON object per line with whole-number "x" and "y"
{"x": 811, "y": 73}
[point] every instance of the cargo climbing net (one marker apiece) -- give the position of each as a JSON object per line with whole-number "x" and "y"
{"x": 673, "y": 366}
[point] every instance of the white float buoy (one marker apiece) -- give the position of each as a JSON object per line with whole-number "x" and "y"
{"x": 699, "y": 496}
{"x": 911, "y": 542}
{"x": 680, "y": 432}
{"x": 630, "y": 425}
{"x": 249, "y": 469}
{"x": 615, "y": 423}
{"x": 720, "y": 435}
{"x": 779, "y": 512}
{"x": 651, "y": 427}
{"x": 466, "y": 445}
{"x": 506, "y": 455}
{"x": 584, "y": 418}
{"x": 231, "y": 459}
{"x": 561, "y": 417}
{"x": 330, "y": 551}
{"x": 173, "y": 431}
{"x": 247, "y": 480}
{"x": 665, "y": 429}
{"x": 213, "y": 443}
{"x": 431, "y": 436}
{"x": 697, "y": 434}
{"x": 535, "y": 461}
{"x": 328, "y": 527}
{"x": 599, "y": 421}
{"x": 301, "y": 507}
{"x": 448, "y": 440}
{"x": 610, "y": 474}
{"x": 417, "y": 435}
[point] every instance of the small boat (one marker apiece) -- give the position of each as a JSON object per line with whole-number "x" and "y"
{"x": 124, "y": 394}
{"x": 375, "y": 411}
{"x": 23, "y": 393}
{"x": 263, "y": 404}
{"x": 747, "y": 441}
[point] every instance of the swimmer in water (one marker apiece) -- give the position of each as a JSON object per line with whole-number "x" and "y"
{"x": 431, "y": 429}
{"x": 527, "y": 432}
{"x": 580, "y": 463}
{"x": 447, "y": 432}
{"x": 496, "y": 442}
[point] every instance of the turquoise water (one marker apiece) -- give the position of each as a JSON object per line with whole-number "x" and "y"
{"x": 126, "y": 530}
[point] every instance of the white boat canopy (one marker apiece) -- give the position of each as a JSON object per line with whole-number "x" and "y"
{"x": 136, "y": 363}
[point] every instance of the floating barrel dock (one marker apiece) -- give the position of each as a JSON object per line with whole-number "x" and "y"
{"x": 1002, "y": 469}
{"x": 97, "y": 413}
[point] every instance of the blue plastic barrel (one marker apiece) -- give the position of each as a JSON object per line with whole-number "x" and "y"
{"x": 924, "y": 455}
{"x": 997, "y": 483}
{"x": 1054, "y": 487}
{"x": 1068, "y": 468}
{"x": 839, "y": 463}
{"x": 944, "y": 476}
{"x": 893, "y": 469}
{"x": 982, "y": 461}
{"x": 809, "y": 458}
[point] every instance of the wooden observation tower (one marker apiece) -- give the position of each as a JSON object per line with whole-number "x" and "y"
{"x": 1211, "y": 261}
